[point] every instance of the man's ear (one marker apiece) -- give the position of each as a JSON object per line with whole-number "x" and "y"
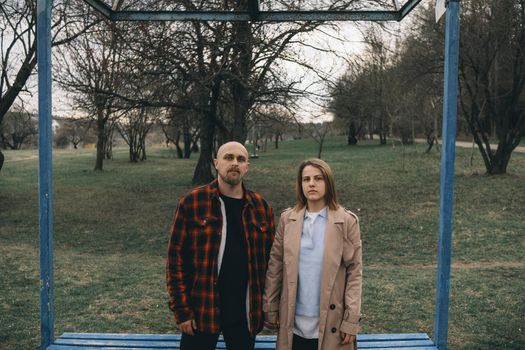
{"x": 215, "y": 163}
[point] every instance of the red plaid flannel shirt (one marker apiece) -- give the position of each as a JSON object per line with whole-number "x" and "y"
{"x": 192, "y": 264}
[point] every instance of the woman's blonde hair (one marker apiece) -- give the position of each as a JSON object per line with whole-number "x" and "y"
{"x": 328, "y": 176}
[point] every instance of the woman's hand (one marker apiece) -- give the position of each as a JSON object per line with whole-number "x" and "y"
{"x": 347, "y": 338}
{"x": 271, "y": 320}
{"x": 271, "y": 325}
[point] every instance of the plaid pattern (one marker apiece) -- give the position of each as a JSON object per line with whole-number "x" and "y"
{"x": 192, "y": 264}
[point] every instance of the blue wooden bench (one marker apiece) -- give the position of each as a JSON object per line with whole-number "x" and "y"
{"x": 99, "y": 341}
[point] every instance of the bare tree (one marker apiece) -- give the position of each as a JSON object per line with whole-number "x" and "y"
{"x": 492, "y": 70}
{"x": 72, "y": 131}
{"x": 273, "y": 121}
{"x": 17, "y": 128}
{"x": 134, "y": 126}
{"x": 180, "y": 124}
{"x": 91, "y": 68}
{"x": 492, "y": 74}
{"x": 18, "y": 41}
{"x": 318, "y": 132}
{"x": 350, "y": 103}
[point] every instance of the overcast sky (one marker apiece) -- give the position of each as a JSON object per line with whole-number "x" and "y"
{"x": 344, "y": 40}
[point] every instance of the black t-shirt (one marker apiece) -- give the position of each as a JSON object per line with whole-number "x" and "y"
{"x": 233, "y": 275}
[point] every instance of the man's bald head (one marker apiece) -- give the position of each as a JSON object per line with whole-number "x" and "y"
{"x": 231, "y": 146}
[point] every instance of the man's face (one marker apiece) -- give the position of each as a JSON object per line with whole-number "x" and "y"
{"x": 232, "y": 163}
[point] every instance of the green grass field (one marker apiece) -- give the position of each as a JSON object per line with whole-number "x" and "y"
{"x": 111, "y": 232}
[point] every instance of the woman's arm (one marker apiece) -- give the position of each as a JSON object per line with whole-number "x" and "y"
{"x": 352, "y": 255}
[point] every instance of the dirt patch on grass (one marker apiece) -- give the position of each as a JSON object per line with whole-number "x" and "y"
{"x": 18, "y": 158}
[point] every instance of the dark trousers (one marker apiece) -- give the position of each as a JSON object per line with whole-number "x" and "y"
{"x": 300, "y": 343}
{"x": 236, "y": 336}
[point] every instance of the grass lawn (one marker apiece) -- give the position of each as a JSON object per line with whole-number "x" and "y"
{"x": 111, "y": 231}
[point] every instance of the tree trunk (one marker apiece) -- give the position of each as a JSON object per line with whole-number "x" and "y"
{"x": 177, "y": 147}
{"x": 382, "y": 138}
{"x": 352, "y": 137}
{"x": 320, "y": 148}
{"x": 500, "y": 159}
{"x": 277, "y": 141}
{"x": 133, "y": 156}
{"x": 7, "y": 100}
{"x": 1, "y": 160}
{"x": 240, "y": 89}
{"x": 108, "y": 139}
{"x": 382, "y": 131}
{"x": 101, "y": 135}
{"x": 143, "y": 156}
{"x": 195, "y": 146}
{"x": 187, "y": 142}
{"x": 436, "y": 131}
{"x": 203, "y": 174}
{"x": 498, "y": 167}
{"x": 430, "y": 142}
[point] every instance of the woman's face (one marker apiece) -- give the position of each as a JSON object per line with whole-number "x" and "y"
{"x": 314, "y": 186}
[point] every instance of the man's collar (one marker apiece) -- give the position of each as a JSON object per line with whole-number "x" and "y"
{"x": 247, "y": 196}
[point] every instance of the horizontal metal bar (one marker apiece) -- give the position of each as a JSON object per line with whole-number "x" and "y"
{"x": 260, "y": 338}
{"x": 267, "y": 16}
{"x": 242, "y": 16}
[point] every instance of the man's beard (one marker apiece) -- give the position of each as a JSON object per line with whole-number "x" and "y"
{"x": 232, "y": 181}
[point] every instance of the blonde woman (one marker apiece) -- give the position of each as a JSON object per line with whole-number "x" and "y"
{"x": 313, "y": 282}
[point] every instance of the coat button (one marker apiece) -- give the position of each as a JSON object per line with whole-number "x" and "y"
{"x": 332, "y": 306}
{"x": 334, "y": 330}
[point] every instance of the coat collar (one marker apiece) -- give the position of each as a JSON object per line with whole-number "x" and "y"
{"x": 334, "y": 216}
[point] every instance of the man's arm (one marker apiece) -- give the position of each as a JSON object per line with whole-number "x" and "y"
{"x": 177, "y": 289}
{"x": 271, "y": 230}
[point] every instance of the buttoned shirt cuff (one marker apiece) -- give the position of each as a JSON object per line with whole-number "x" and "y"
{"x": 349, "y": 328}
{"x": 350, "y": 324}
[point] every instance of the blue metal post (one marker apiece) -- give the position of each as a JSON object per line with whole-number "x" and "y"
{"x": 45, "y": 139}
{"x": 450, "y": 102}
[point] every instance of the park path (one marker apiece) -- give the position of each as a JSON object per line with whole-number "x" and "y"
{"x": 465, "y": 144}
{"x": 455, "y": 265}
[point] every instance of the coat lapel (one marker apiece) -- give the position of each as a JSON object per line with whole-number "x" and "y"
{"x": 292, "y": 246}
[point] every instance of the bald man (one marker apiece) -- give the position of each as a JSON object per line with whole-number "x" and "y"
{"x": 218, "y": 252}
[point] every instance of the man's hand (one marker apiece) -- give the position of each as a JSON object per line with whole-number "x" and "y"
{"x": 189, "y": 327}
{"x": 270, "y": 325}
{"x": 347, "y": 338}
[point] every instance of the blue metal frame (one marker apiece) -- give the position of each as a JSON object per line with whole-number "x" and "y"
{"x": 254, "y": 14}
{"x": 45, "y": 175}
{"x": 450, "y": 103}
{"x": 46, "y": 137}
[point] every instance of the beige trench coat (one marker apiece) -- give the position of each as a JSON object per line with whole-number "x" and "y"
{"x": 340, "y": 304}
